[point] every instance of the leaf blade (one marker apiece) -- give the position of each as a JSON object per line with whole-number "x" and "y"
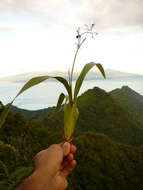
{"x": 59, "y": 103}
{"x": 37, "y": 80}
{"x": 32, "y": 82}
{"x": 70, "y": 118}
{"x": 101, "y": 69}
{"x": 65, "y": 83}
{"x": 83, "y": 73}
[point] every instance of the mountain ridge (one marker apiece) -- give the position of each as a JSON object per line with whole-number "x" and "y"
{"x": 99, "y": 112}
{"x": 131, "y": 99}
{"x": 108, "y": 137}
{"x": 92, "y": 75}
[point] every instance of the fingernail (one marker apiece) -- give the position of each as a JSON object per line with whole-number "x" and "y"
{"x": 66, "y": 148}
{"x": 65, "y": 144}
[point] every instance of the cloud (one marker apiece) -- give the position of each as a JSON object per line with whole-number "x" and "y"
{"x": 44, "y": 12}
{"x": 25, "y": 13}
{"x": 107, "y": 14}
{"x": 6, "y": 27}
{"x": 47, "y": 8}
{"x": 113, "y": 13}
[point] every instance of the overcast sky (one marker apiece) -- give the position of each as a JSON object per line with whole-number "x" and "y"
{"x": 39, "y": 35}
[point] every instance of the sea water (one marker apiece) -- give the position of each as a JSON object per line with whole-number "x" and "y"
{"x": 46, "y": 94}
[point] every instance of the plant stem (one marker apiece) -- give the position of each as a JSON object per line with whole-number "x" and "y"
{"x": 74, "y": 64}
{"x": 71, "y": 75}
{"x": 74, "y": 60}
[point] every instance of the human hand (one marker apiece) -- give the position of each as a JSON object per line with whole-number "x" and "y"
{"x": 52, "y": 166}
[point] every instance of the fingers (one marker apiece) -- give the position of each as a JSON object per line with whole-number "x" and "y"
{"x": 72, "y": 165}
{"x": 73, "y": 149}
{"x": 70, "y": 157}
{"x": 69, "y": 163}
{"x": 68, "y": 168}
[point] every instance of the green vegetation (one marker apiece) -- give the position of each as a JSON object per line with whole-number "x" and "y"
{"x": 106, "y": 164}
{"x": 108, "y": 136}
{"x": 101, "y": 113}
{"x": 130, "y": 99}
{"x": 32, "y": 114}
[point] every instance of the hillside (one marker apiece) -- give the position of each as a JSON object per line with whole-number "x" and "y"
{"x": 132, "y": 100}
{"x": 110, "y": 165}
{"x": 106, "y": 165}
{"x": 35, "y": 114}
{"x": 99, "y": 112}
{"x": 109, "y": 140}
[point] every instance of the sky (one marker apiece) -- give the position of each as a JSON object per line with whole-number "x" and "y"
{"x": 40, "y": 35}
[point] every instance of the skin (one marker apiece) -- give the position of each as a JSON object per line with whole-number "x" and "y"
{"x": 52, "y": 166}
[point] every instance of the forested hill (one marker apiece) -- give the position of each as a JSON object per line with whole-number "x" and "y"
{"x": 125, "y": 97}
{"x": 32, "y": 114}
{"x": 114, "y": 114}
{"x": 99, "y": 112}
{"x": 109, "y": 140}
{"x": 132, "y": 100}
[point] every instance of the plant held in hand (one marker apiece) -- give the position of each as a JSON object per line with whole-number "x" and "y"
{"x": 70, "y": 105}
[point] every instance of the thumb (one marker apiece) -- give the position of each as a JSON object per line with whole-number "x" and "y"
{"x": 66, "y": 148}
{"x": 52, "y": 158}
{"x": 57, "y": 154}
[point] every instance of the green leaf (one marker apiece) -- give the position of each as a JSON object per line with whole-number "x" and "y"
{"x": 32, "y": 82}
{"x": 82, "y": 75}
{"x": 36, "y": 80}
{"x": 70, "y": 118}
{"x": 65, "y": 83}
{"x": 60, "y": 101}
{"x": 101, "y": 69}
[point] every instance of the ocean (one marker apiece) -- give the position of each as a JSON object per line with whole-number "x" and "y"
{"x": 46, "y": 94}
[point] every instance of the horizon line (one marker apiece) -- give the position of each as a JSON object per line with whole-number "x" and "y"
{"x": 62, "y": 71}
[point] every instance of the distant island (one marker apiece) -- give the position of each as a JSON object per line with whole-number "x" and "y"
{"x": 91, "y": 76}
